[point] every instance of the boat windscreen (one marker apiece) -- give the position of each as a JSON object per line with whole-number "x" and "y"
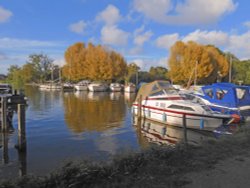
{"x": 240, "y": 93}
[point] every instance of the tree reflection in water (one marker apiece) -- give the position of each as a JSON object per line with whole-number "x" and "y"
{"x": 89, "y": 111}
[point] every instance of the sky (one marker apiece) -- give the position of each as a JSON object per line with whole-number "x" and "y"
{"x": 143, "y": 31}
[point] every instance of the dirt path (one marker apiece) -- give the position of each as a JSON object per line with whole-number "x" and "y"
{"x": 231, "y": 173}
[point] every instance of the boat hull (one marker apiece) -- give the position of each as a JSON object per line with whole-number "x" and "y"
{"x": 97, "y": 88}
{"x": 193, "y": 121}
{"x": 81, "y": 87}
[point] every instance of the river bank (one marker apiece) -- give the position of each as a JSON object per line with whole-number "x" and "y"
{"x": 213, "y": 164}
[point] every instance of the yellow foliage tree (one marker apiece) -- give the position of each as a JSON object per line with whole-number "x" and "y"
{"x": 190, "y": 61}
{"x": 93, "y": 62}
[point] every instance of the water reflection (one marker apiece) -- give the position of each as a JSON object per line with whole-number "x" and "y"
{"x": 153, "y": 132}
{"x": 93, "y": 111}
{"x": 7, "y": 161}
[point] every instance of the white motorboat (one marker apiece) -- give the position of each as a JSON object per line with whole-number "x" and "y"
{"x": 115, "y": 87}
{"x": 51, "y": 86}
{"x": 161, "y": 102}
{"x": 97, "y": 87}
{"x": 68, "y": 86}
{"x": 82, "y": 86}
{"x": 130, "y": 88}
{"x": 5, "y": 88}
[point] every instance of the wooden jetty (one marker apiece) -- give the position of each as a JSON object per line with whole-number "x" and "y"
{"x": 8, "y": 104}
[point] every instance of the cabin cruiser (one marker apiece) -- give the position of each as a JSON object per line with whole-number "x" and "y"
{"x": 115, "y": 87}
{"x": 97, "y": 87}
{"x": 226, "y": 98}
{"x": 82, "y": 85}
{"x": 130, "y": 88}
{"x": 161, "y": 102}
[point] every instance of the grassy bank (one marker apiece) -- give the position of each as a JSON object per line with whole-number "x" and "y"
{"x": 155, "y": 167}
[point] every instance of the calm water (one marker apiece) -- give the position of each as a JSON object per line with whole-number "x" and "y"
{"x": 62, "y": 126}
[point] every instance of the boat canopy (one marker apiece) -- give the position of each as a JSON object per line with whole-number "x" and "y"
{"x": 227, "y": 94}
{"x": 157, "y": 87}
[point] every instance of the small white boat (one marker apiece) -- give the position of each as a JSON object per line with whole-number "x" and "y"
{"x": 115, "y": 87}
{"x": 68, "y": 87}
{"x": 51, "y": 86}
{"x": 161, "y": 102}
{"x": 82, "y": 86}
{"x": 130, "y": 88}
{"x": 97, "y": 87}
{"x": 5, "y": 88}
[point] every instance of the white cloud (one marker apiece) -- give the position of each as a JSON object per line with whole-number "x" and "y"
{"x": 217, "y": 38}
{"x": 240, "y": 45}
{"x": 153, "y": 9}
{"x": 140, "y": 39}
{"x": 139, "y": 62}
{"x": 4, "y": 15}
{"x": 13, "y": 43}
{"x": 60, "y": 61}
{"x": 111, "y": 15}
{"x": 188, "y": 12}
{"x": 166, "y": 41}
{"x": 114, "y": 36}
{"x": 78, "y": 27}
{"x": 247, "y": 24}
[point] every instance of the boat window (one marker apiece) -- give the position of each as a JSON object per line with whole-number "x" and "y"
{"x": 173, "y": 106}
{"x": 157, "y": 93}
{"x": 240, "y": 93}
{"x": 156, "y": 104}
{"x": 219, "y": 94}
{"x": 164, "y": 84}
{"x": 154, "y": 88}
{"x": 188, "y": 108}
{"x": 209, "y": 92}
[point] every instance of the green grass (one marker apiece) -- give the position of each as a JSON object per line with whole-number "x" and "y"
{"x": 159, "y": 166}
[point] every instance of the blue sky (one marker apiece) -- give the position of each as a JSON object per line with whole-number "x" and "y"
{"x": 141, "y": 30}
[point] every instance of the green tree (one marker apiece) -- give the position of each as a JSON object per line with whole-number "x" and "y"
{"x": 158, "y": 73}
{"x": 132, "y": 73}
{"x": 42, "y": 66}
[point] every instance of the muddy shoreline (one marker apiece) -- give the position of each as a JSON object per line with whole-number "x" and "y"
{"x": 213, "y": 164}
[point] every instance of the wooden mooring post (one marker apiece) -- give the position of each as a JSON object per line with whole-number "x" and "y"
{"x": 3, "y": 112}
{"x": 21, "y": 127}
{"x": 139, "y": 109}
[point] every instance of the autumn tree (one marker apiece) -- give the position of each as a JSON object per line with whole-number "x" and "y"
{"x": 93, "y": 62}
{"x": 191, "y": 61}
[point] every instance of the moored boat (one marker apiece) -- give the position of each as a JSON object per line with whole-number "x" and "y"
{"x": 82, "y": 86}
{"x": 5, "y": 88}
{"x": 114, "y": 87}
{"x": 226, "y": 98}
{"x": 130, "y": 88}
{"x": 97, "y": 87}
{"x": 161, "y": 102}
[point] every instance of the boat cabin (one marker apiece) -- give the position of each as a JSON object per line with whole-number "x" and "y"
{"x": 227, "y": 94}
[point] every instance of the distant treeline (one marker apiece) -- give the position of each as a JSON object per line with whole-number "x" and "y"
{"x": 187, "y": 62}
